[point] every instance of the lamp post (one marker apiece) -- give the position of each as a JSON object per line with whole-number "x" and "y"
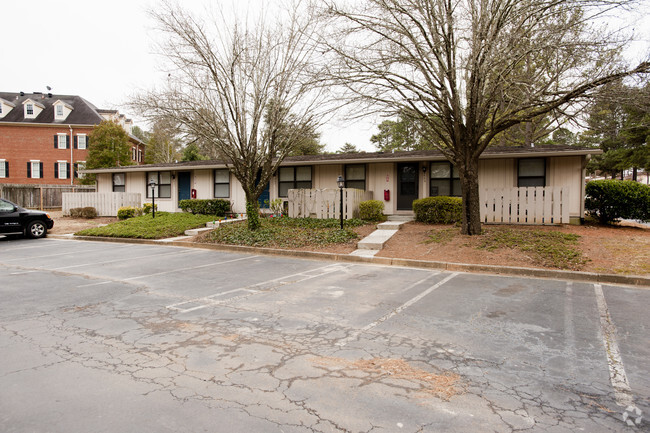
{"x": 341, "y": 183}
{"x": 152, "y": 184}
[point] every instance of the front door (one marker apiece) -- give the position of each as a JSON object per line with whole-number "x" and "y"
{"x": 407, "y": 185}
{"x": 184, "y": 185}
{"x": 265, "y": 197}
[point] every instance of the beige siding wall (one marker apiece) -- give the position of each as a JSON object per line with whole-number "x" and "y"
{"x": 380, "y": 177}
{"x": 497, "y": 173}
{"x": 201, "y": 181}
{"x": 237, "y": 196}
{"x": 324, "y": 176}
{"x": 567, "y": 172}
{"x": 104, "y": 182}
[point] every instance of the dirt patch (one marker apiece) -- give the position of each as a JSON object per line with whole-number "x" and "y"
{"x": 614, "y": 250}
{"x": 443, "y": 386}
{"x": 64, "y": 225}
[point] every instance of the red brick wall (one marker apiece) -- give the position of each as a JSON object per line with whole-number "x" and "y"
{"x": 20, "y": 144}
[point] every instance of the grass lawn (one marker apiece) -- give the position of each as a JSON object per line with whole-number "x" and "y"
{"x": 165, "y": 225}
{"x": 286, "y": 232}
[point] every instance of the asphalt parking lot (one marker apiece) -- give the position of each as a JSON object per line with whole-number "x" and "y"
{"x": 110, "y": 337}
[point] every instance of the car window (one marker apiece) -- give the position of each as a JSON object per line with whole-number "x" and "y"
{"x": 6, "y": 206}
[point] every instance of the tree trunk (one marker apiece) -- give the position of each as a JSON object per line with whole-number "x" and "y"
{"x": 468, "y": 172}
{"x": 634, "y": 174}
{"x": 253, "y": 212}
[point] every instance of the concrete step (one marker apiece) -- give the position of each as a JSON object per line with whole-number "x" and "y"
{"x": 404, "y": 218}
{"x": 391, "y": 225}
{"x": 375, "y": 240}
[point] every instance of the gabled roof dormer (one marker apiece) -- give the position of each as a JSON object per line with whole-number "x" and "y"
{"x": 61, "y": 110}
{"x": 5, "y": 107}
{"x": 32, "y": 108}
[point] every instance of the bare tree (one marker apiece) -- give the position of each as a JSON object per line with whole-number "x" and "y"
{"x": 467, "y": 70}
{"x": 244, "y": 88}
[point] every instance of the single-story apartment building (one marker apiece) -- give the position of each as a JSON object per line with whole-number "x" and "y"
{"x": 396, "y": 178}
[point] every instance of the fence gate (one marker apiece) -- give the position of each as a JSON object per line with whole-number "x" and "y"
{"x": 326, "y": 203}
{"x": 537, "y": 205}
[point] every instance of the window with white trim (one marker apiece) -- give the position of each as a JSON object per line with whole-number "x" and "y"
{"x": 4, "y": 169}
{"x": 81, "y": 141}
{"x": 79, "y": 165}
{"x": 222, "y": 183}
{"x": 119, "y": 182}
{"x": 531, "y": 172}
{"x": 61, "y": 169}
{"x": 443, "y": 179}
{"x": 293, "y": 178}
{"x": 29, "y": 109}
{"x": 35, "y": 169}
{"x": 62, "y": 141}
{"x": 355, "y": 176}
{"x": 163, "y": 181}
{"x": 59, "y": 110}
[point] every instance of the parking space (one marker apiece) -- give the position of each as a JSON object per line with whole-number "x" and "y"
{"x": 120, "y": 337}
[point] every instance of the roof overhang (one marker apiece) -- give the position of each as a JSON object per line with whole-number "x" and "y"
{"x": 359, "y": 158}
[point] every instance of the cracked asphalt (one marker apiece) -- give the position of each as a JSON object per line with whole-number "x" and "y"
{"x": 109, "y": 337}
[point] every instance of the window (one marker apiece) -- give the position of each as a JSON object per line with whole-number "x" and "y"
{"x": 355, "y": 176}
{"x": 81, "y": 141}
{"x": 222, "y": 183}
{"x": 163, "y": 181}
{"x": 35, "y": 169}
{"x": 59, "y": 111}
{"x": 79, "y": 165}
{"x": 61, "y": 170}
{"x": 4, "y": 169}
{"x": 119, "y": 182}
{"x": 61, "y": 141}
{"x": 293, "y": 178}
{"x": 133, "y": 154}
{"x": 443, "y": 179}
{"x": 139, "y": 155}
{"x": 29, "y": 109}
{"x": 531, "y": 172}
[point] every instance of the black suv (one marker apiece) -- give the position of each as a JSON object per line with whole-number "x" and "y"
{"x": 15, "y": 219}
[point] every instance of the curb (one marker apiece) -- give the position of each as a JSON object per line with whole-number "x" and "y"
{"x": 591, "y": 277}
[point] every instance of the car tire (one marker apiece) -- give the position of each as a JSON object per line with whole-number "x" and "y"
{"x": 36, "y": 229}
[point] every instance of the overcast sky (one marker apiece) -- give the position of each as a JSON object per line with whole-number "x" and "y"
{"x": 103, "y": 51}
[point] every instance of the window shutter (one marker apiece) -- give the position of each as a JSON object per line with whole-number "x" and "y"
{"x": 67, "y": 170}
{"x": 6, "y": 168}
{"x": 76, "y": 167}
{"x": 29, "y": 169}
{"x": 56, "y": 141}
{"x": 67, "y": 142}
{"x": 56, "y": 170}
{"x": 41, "y": 167}
{"x": 75, "y": 142}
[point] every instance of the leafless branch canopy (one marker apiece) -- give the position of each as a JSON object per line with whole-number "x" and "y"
{"x": 248, "y": 90}
{"x": 470, "y": 69}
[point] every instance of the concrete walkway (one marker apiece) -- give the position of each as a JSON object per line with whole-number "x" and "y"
{"x": 374, "y": 242}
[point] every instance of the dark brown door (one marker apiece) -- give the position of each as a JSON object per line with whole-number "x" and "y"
{"x": 407, "y": 185}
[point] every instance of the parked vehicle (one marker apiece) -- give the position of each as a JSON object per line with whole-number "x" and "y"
{"x": 17, "y": 220}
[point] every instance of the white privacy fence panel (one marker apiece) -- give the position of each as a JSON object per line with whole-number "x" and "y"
{"x": 106, "y": 204}
{"x": 535, "y": 205}
{"x": 326, "y": 203}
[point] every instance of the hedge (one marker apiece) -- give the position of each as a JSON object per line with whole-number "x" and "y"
{"x": 438, "y": 210}
{"x": 216, "y": 207}
{"x": 371, "y": 210}
{"x": 612, "y": 200}
{"x": 83, "y": 212}
{"x": 127, "y": 212}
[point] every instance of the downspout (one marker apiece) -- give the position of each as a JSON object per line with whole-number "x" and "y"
{"x": 71, "y": 164}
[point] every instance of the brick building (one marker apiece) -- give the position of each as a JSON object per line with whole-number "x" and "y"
{"x": 44, "y": 137}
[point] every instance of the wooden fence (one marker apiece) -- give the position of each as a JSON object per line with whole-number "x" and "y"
{"x": 40, "y": 196}
{"x": 326, "y": 203}
{"x": 106, "y": 204}
{"x": 538, "y": 205}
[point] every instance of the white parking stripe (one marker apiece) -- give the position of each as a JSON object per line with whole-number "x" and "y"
{"x": 617, "y": 376}
{"x": 399, "y": 309}
{"x": 59, "y": 254}
{"x": 127, "y": 259}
